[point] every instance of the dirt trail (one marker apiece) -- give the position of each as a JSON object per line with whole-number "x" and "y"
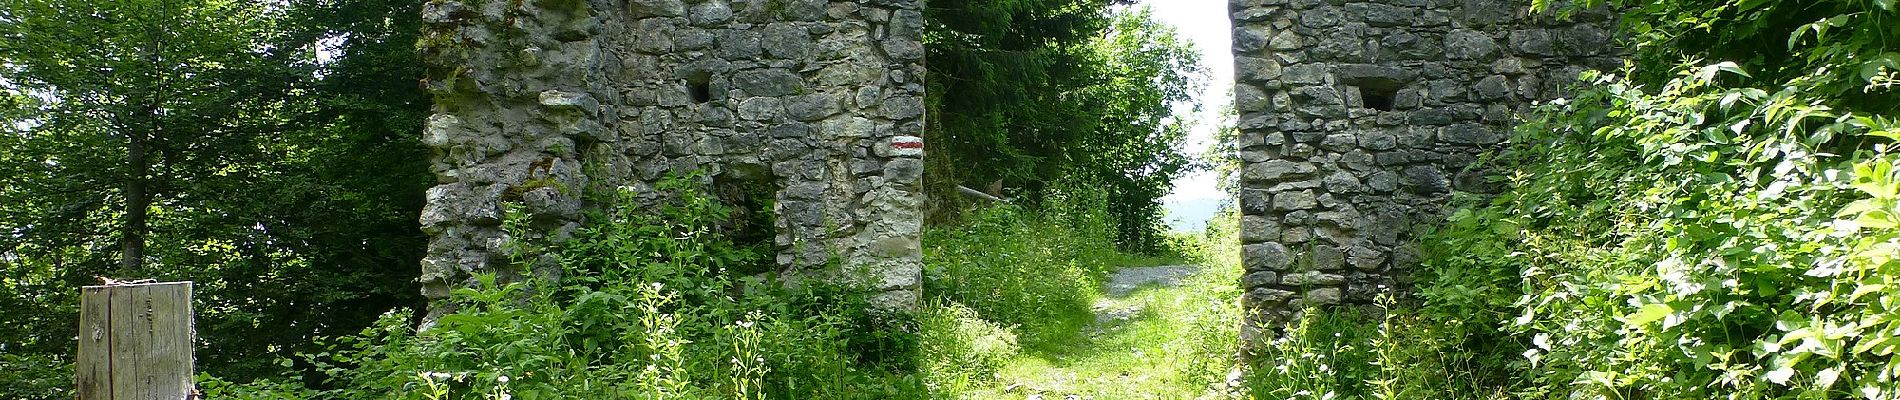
{"x": 1127, "y": 280}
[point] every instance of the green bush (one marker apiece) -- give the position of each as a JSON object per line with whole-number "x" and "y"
{"x": 35, "y": 376}
{"x": 1689, "y": 242}
{"x": 1707, "y": 229}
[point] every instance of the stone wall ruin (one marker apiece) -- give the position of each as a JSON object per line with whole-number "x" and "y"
{"x": 816, "y": 104}
{"x": 1358, "y": 118}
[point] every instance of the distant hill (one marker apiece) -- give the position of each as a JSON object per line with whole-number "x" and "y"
{"x": 1192, "y": 215}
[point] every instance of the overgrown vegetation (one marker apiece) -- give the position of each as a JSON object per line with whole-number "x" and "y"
{"x": 1035, "y": 270}
{"x": 1721, "y": 219}
{"x": 274, "y": 150}
{"x": 646, "y": 309}
{"x": 1039, "y": 273}
{"x": 1028, "y": 95}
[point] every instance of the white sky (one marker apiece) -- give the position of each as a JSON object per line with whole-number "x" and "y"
{"x": 1205, "y": 23}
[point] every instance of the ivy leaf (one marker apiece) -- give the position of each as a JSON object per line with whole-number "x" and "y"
{"x": 1707, "y": 73}
{"x": 1647, "y": 314}
{"x": 1872, "y": 68}
{"x": 1878, "y": 219}
{"x": 1780, "y": 376}
{"x": 1879, "y": 347}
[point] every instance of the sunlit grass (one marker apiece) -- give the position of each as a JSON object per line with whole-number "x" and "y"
{"x": 1177, "y": 346}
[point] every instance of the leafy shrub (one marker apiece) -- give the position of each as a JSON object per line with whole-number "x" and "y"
{"x": 1695, "y": 241}
{"x": 1707, "y": 234}
{"x": 35, "y": 376}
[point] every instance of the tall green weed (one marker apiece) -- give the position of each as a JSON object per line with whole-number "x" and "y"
{"x": 647, "y": 309}
{"x": 1037, "y": 271}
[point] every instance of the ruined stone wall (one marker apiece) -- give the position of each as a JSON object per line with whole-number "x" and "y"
{"x": 817, "y": 103}
{"x": 1359, "y": 118}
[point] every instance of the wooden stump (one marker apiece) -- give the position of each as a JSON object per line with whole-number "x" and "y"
{"x": 135, "y": 342}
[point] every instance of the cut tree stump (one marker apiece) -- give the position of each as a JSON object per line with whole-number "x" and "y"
{"x": 135, "y": 342}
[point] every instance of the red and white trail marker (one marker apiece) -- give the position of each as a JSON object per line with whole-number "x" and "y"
{"x": 907, "y": 146}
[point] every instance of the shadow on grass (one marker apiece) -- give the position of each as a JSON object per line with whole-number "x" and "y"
{"x": 1076, "y": 338}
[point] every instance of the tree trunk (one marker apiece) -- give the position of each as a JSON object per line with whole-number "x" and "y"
{"x": 137, "y": 202}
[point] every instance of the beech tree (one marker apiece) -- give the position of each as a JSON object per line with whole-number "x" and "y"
{"x": 266, "y": 150}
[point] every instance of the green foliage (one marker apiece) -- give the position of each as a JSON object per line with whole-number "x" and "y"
{"x": 647, "y": 310}
{"x": 35, "y": 376}
{"x": 1835, "y": 49}
{"x": 1036, "y": 272}
{"x": 1029, "y": 93}
{"x": 1392, "y": 351}
{"x": 1695, "y": 229}
{"x": 284, "y": 182}
{"x": 960, "y": 350}
{"x": 1180, "y": 344}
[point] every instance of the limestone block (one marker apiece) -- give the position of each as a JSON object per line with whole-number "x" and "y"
{"x": 1301, "y": 200}
{"x": 1267, "y": 256}
{"x": 1323, "y": 296}
{"x": 1277, "y": 171}
{"x": 656, "y": 8}
{"x": 1311, "y": 279}
{"x": 1260, "y": 279}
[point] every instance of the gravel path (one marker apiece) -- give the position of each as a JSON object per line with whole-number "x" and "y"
{"x": 1127, "y": 280}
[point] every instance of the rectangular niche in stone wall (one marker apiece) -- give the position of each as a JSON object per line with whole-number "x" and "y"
{"x": 699, "y": 86}
{"x": 1378, "y": 97}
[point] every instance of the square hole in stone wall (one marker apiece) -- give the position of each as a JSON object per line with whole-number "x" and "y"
{"x": 699, "y": 85}
{"x": 1378, "y": 97}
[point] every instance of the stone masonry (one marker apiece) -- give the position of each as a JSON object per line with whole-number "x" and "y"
{"x": 817, "y": 103}
{"x": 1359, "y": 118}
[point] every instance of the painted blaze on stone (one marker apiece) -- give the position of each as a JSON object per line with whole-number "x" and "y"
{"x": 907, "y": 146}
{"x": 1359, "y": 118}
{"x": 538, "y": 101}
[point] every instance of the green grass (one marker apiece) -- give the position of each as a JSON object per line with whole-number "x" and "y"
{"x": 1176, "y": 347}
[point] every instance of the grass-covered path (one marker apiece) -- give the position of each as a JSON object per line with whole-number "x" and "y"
{"x": 1151, "y": 337}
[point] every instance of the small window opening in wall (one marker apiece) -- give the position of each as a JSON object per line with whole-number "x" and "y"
{"x": 700, "y": 87}
{"x": 1377, "y": 98}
